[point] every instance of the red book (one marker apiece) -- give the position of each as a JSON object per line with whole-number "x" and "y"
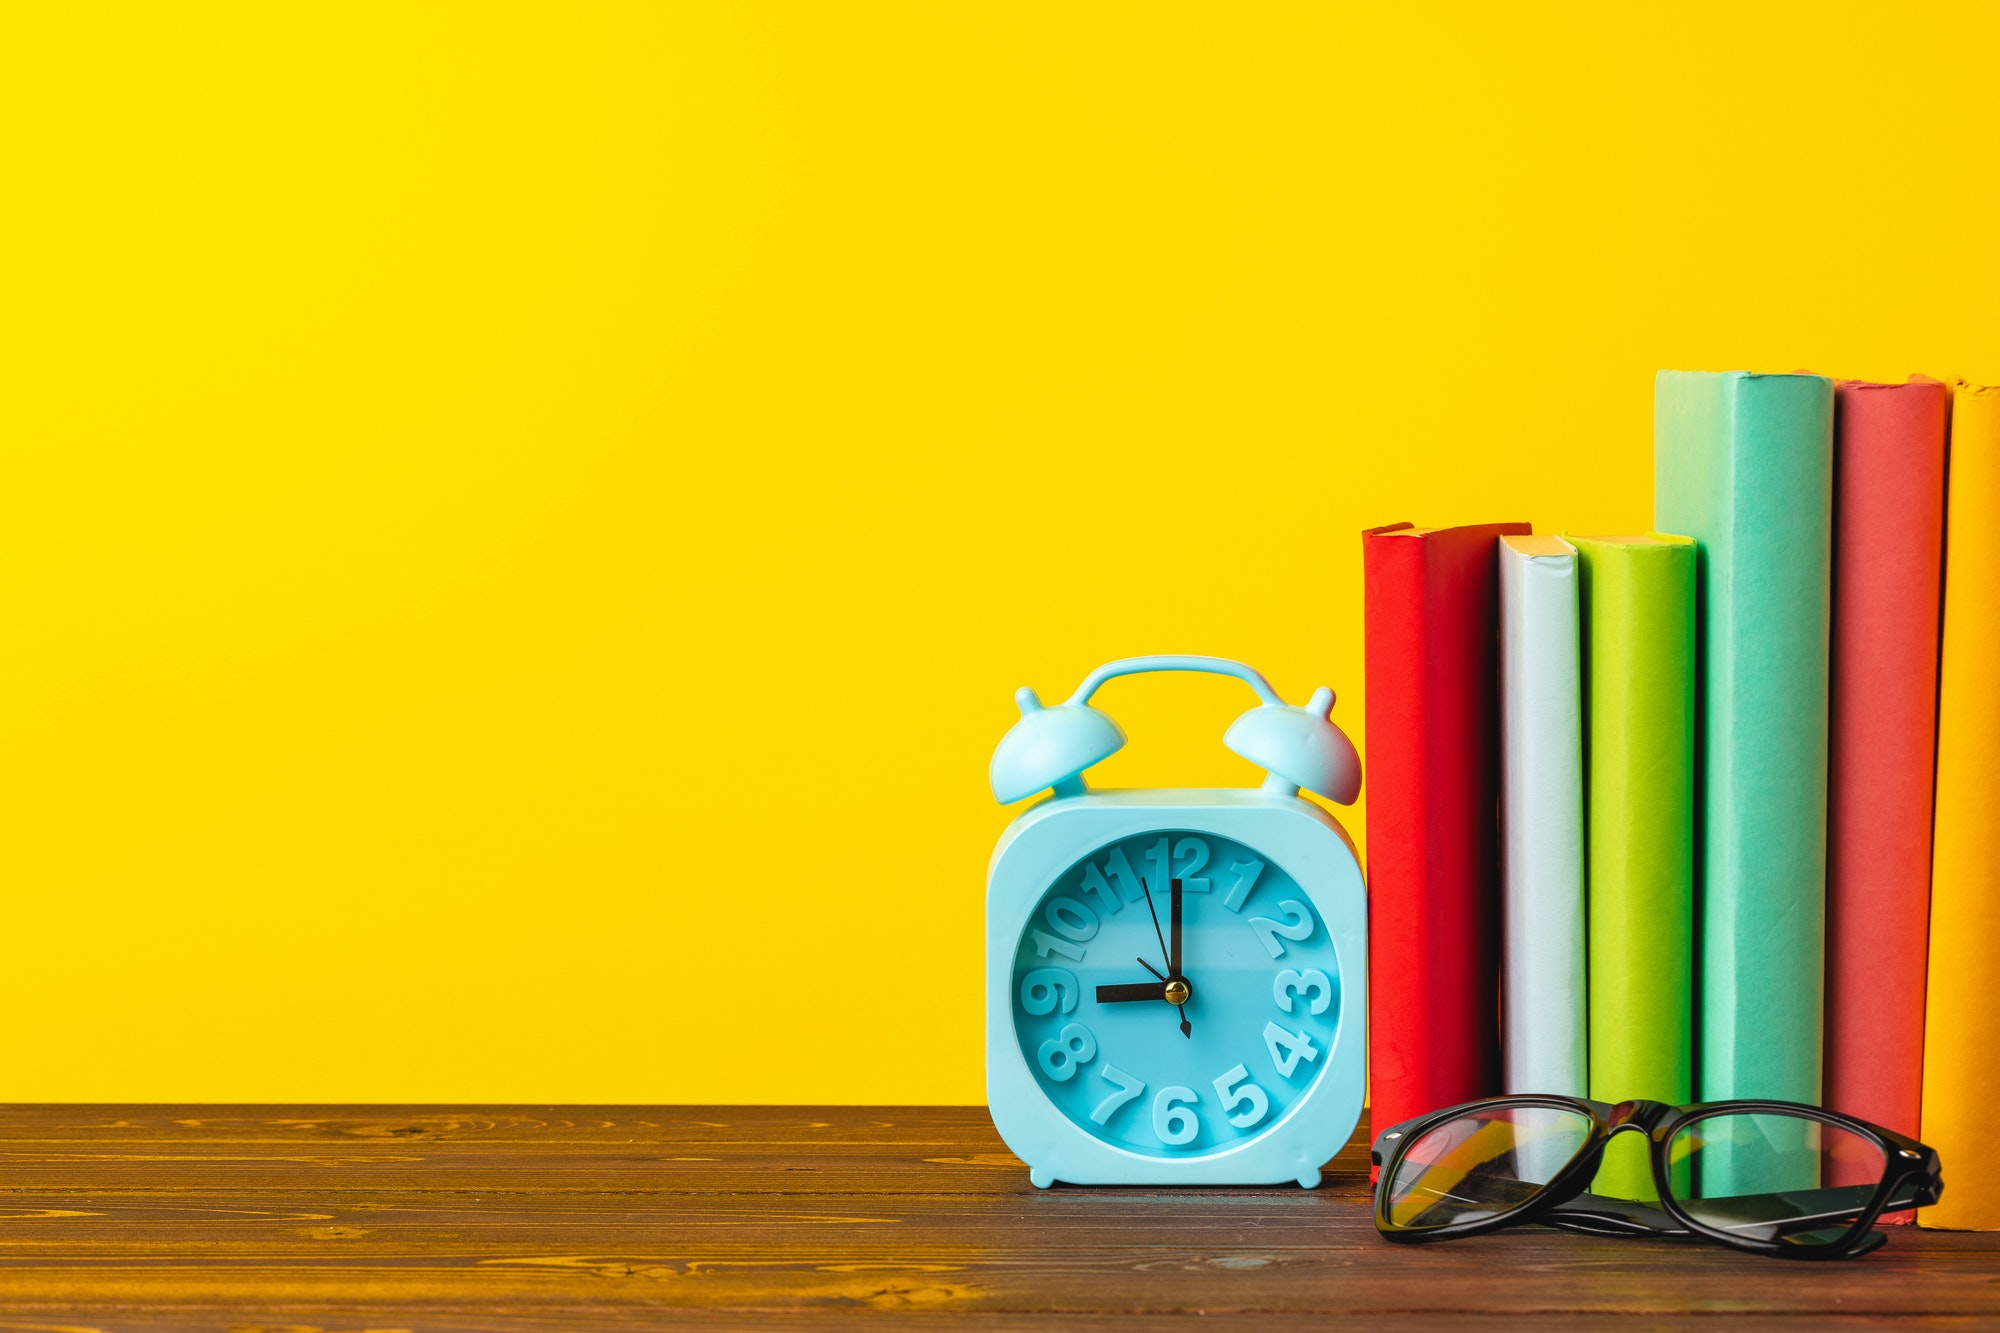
{"x": 1889, "y": 487}
{"x": 1431, "y": 615}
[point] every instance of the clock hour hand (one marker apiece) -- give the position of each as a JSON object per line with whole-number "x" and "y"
{"x": 1138, "y": 990}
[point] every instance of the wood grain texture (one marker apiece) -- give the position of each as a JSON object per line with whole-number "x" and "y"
{"x": 520, "y": 1220}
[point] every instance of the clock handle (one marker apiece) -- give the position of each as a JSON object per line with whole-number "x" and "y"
{"x": 1049, "y": 748}
{"x": 1139, "y": 666}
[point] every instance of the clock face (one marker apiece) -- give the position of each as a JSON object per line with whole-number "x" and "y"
{"x": 1095, "y": 977}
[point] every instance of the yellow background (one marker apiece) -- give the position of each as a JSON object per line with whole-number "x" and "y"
{"x": 520, "y": 525}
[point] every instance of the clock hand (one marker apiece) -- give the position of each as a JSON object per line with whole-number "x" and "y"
{"x": 1174, "y": 954}
{"x": 1138, "y": 990}
{"x": 1150, "y": 968}
{"x": 1154, "y": 913}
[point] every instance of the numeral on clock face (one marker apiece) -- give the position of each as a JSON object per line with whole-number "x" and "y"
{"x": 1287, "y": 1048}
{"x": 1246, "y": 873}
{"x": 1192, "y": 853}
{"x": 1128, "y": 1088}
{"x": 1173, "y": 1122}
{"x": 1095, "y": 883}
{"x": 1287, "y": 983}
{"x": 1046, "y": 944}
{"x": 1299, "y": 926}
{"x": 1062, "y": 1053}
{"x": 1046, "y": 988}
{"x": 1243, "y": 1102}
{"x": 1070, "y": 919}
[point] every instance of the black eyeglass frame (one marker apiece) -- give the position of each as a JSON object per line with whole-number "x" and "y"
{"x": 1911, "y": 1175}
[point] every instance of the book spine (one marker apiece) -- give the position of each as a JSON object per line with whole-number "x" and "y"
{"x": 1744, "y": 465}
{"x": 1888, "y": 552}
{"x": 1962, "y": 1023}
{"x": 1638, "y": 617}
{"x": 1429, "y": 609}
{"x": 1541, "y": 745}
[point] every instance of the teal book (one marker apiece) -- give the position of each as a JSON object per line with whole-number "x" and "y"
{"x": 1744, "y": 464}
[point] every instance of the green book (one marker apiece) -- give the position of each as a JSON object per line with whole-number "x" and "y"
{"x": 1744, "y": 464}
{"x": 1638, "y": 666}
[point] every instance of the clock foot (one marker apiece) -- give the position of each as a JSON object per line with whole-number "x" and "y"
{"x": 1041, "y": 1177}
{"x": 1309, "y": 1179}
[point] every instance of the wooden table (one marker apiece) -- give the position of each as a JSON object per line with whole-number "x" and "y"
{"x": 261, "y": 1219}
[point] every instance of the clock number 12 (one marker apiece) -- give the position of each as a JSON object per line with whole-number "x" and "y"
{"x": 1196, "y": 852}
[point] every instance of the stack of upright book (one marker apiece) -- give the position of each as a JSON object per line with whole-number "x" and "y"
{"x": 1741, "y": 768}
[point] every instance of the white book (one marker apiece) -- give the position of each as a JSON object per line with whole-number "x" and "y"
{"x": 1544, "y": 995}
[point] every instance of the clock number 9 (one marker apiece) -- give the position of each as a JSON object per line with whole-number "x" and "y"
{"x": 1175, "y": 1124}
{"x": 1043, "y": 989}
{"x": 1235, "y": 1089}
{"x": 1269, "y": 930}
{"x": 1311, "y": 982}
{"x": 1060, "y": 1055}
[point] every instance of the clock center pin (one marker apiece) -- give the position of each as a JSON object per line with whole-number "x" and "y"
{"x": 1179, "y": 992}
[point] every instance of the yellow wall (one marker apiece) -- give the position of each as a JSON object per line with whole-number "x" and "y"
{"x": 520, "y": 525}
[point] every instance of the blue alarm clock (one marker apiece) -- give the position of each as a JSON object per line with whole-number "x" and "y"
{"x": 1176, "y": 979}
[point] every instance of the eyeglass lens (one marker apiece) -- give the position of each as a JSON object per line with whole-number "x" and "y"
{"x": 1771, "y": 1176}
{"x": 1482, "y": 1164}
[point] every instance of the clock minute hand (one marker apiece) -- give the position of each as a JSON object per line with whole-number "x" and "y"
{"x": 1137, "y": 990}
{"x": 1174, "y": 973}
{"x": 1154, "y": 912}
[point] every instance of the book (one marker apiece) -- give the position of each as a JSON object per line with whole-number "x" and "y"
{"x": 1638, "y": 596}
{"x": 1961, "y": 1021}
{"x": 1430, "y": 603}
{"x": 1743, "y": 464}
{"x": 1543, "y": 1034}
{"x": 1888, "y": 564}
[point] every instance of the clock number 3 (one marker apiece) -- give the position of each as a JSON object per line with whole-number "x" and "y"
{"x": 1061, "y": 1054}
{"x": 1311, "y": 982}
{"x": 1237, "y": 1091}
{"x": 1269, "y": 930}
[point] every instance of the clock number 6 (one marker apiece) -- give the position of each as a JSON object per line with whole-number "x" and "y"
{"x": 1311, "y": 982}
{"x": 1269, "y": 930}
{"x": 1061, "y": 1054}
{"x": 1174, "y": 1123}
{"x": 1235, "y": 1089}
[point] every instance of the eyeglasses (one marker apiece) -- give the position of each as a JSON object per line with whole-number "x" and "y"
{"x": 1774, "y": 1178}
